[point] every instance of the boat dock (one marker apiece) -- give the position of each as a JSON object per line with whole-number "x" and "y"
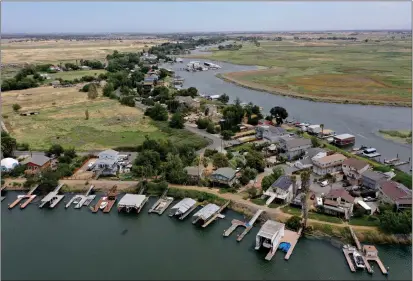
{"x": 216, "y": 214}
{"x": 347, "y": 253}
{"x": 356, "y": 240}
{"x": 28, "y": 196}
{"x": 400, "y": 163}
{"x": 110, "y": 200}
{"x": 184, "y": 215}
{"x": 81, "y": 200}
{"x": 53, "y": 198}
{"x": 290, "y": 237}
{"x": 248, "y": 226}
{"x": 183, "y": 208}
{"x": 161, "y": 205}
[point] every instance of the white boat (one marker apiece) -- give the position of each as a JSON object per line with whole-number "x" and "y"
{"x": 370, "y": 153}
{"x": 103, "y": 205}
{"x": 358, "y": 260}
{"x": 77, "y": 200}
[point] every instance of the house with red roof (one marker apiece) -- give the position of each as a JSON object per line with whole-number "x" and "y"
{"x": 395, "y": 193}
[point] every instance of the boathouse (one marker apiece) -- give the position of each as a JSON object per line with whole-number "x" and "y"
{"x": 182, "y": 206}
{"x": 206, "y": 212}
{"x": 132, "y": 202}
{"x": 269, "y": 236}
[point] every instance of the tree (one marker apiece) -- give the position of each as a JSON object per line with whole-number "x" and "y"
{"x": 129, "y": 101}
{"x": 55, "y": 149}
{"x": 211, "y": 128}
{"x": 252, "y": 192}
{"x": 70, "y": 152}
{"x": 227, "y": 134}
{"x": 174, "y": 170}
{"x": 294, "y": 181}
{"x": 16, "y": 107}
{"x": 157, "y": 112}
{"x": 163, "y": 73}
{"x": 294, "y": 223}
{"x": 92, "y": 92}
{"x": 279, "y": 113}
{"x": 322, "y": 129}
{"x": 108, "y": 89}
{"x": 305, "y": 185}
{"x": 192, "y": 91}
{"x": 255, "y": 159}
{"x": 8, "y": 144}
{"x": 87, "y": 114}
{"x": 202, "y": 123}
{"x": 396, "y": 222}
{"x": 219, "y": 160}
{"x": 177, "y": 121}
{"x": 315, "y": 142}
{"x": 205, "y": 161}
{"x": 247, "y": 175}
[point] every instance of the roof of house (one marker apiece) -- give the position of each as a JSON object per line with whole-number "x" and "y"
{"x": 331, "y": 158}
{"x": 341, "y": 192}
{"x": 330, "y": 202}
{"x": 193, "y": 170}
{"x": 226, "y": 172}
{"x": 313, "y": 151}
{"x": 111, "y": 152}
{"x": 355, "y": 163}
{"x": 270, "y": 228}
{"x": 276, "y": 130}
{"x": 396, "y": 192}
{"x": 132, "y": 200}
{"x": 369, "y": 248}
{"x": 373, "y": 175}
{"x": 37, "y": 159}
{"x": 343, "y": 136}
{"x": 283, "y": 182}
{"x": 186, "y": 99}
{"x": 297, "y": 142}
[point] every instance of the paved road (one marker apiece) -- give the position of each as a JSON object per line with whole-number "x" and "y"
{"x": 215, "y": 141}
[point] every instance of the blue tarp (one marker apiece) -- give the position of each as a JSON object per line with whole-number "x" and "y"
{"x": 284, "y": 246}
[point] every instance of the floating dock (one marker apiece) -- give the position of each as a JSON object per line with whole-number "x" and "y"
{"x": 183, "y": 208}
{"x": 29, "y": 196}
{"x": 161, "y": 205}
{"x": 82, "y": 200}
{"x": 248, "y": 226}
{"x": 290, "y": 237}
{"x": 217, "y": 214}
{"x": 206, "y": 213}
{"x": 347, "y": 253}
{"x": 53, "y": 198}
{"x": 110, "y": 200}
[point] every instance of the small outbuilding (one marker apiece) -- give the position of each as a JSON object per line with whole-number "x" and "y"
{"x": 8, "y": 164}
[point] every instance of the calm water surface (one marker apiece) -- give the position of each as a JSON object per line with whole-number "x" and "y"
{"x": 362, "y": 121}
{"x": 58, "y": 244}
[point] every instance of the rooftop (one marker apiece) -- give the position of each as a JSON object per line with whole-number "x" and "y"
{"x": 184, "y": 205}
{"x": 343, "y": 136}
{"x": 395, "y": 192}
{"x": 193, "y": 170}
{"x": 355, "y": 163}
{"x": 369, "y": 248}
{"x": 283, "y": 182}
{"x": 226, "y": 172}
{"x": 207, "y": 211}
{"x": 341, "y": 192}
{"x": 132, "y": 200}
{"x": 111, "y": 152}
{"x": 374, "y": 175}
{"x": 331, "y": 158}
{"x": 37, "y": 159}
{"x": 297, "y": 142}
{"x": 313, "y": 151}
{"x": 270, "y": 228}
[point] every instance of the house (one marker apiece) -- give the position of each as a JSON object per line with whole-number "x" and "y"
{"x": 37, "y": 163}
{"x": 313, "y": 129}
{"x": 395, "y": 193}
{"x": 107, "y": 163}
{"x": 281, "y": 189}
{"x": 270, "y": 133}
{"x": 294, "y": 147}
{"x": 344, "y": 140}
{"x": 269, "y": 236}
{"x": 188, "y": 102}
{"x": 328, "y": 164}
{"x": 306, "y": 162}
{"x": 370, "y": 251}
{"x": 339, "y": 202}
{"x": 353, "y": 169}
{"x": 371, "y": 179}
{"x": 194, "y": 173}
{"x": 224, "y": 176}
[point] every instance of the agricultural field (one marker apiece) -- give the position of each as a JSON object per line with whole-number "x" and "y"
{"x": 71, "y": 75}
{"x": 334, "y": 71}
{"x": 61, "y": 120}
{"x": 54, "y": 51}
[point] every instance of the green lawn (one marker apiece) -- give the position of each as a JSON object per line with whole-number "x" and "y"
{"x": 365, "y": 220}
{"x": 402, "y": 136}
{"x": 291, "y": 210}
{"x": 378, "y": 72}
{"x": 323, "y": 217}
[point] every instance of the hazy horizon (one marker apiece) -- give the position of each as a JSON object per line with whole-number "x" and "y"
{"x": 201, "y": 17}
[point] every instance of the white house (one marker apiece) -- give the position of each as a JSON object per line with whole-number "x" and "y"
{"x": 328, "y": 164}
{"x": 269, "y": 236}
{"x": 282, "y": 189}
{"x": 109, "y": 154}
{"x": 107, "y": 162}
{"x": 353, "y": 169}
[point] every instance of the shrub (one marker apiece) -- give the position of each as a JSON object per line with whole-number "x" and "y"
{"x": 16, "y": 107}
{"x": 293, "y": 223}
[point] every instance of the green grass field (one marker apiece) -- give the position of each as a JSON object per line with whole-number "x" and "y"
{"x": 376, "y": 72}
{"x": 71, "y": 75}
{"x": 402, "y": 136}
{"x": 61, "y": 120}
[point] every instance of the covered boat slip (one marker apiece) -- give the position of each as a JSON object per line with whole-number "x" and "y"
{"x": 183, "y": 208}
{"x": 206, "y": 212}
{"x": 132, "y": 201}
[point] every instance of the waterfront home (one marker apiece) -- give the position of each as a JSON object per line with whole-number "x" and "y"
{"x": 194, "y": 173}
{"x": 353, "y": 169}
{"x": 339, "y": 202}
{"x": 188, "y": 102}
{"x": 269, "y": 236}
{"x": 281, "y": 190}
{"x": 313, "y": 129}
{"x": 37, "y": 163}
{"x": 325, "y": 133}
{"x": 328, "y": 164}
{"x": 306, "y": 162}
{"x": 270, "y": 133}
{"x": 344, "y": 140}
{"x": 106, "y": 164}
{"x": 294, "y": 147}
{"x": 395, "y": 193}
{"x": 371, "y": 179}
{"x": 225, "y": 176}
{"x": 109, "y": 154}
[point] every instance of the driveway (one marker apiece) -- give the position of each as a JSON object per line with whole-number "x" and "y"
{"x": 215, "y": 141}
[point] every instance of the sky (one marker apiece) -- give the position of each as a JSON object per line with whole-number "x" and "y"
{"x": 164, "y": 17}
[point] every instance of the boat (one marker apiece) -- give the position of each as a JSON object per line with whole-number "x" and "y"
{"x": 77, "y": 200}
{"x": 103, "y": 205}
{"x": 358, "y": 260}
{"x": 370, "y": 152}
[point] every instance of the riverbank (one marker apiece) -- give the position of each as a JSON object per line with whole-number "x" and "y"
{"x": 400, "y": 136}
{"x": 235, "y": 78}
{"x": 317, "y": 228}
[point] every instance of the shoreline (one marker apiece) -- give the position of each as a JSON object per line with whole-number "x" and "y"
{"x": 317, "y": 228}
{"x": 266, "y": 89}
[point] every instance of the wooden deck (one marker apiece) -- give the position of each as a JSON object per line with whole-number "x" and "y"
{"x": 217, "y": 213}
{"x": 379, "y": 263}
{"x": 17, "y": 201}
{"x": 234, "y": 225}
{"x": 109, "y": 206}
{"x": 292, "y": 238}
{"x": 30, "y": 199}
{"x": 349, "y": 262}
{"x": 95, "y": 208}
{"x": 356, "y": 240}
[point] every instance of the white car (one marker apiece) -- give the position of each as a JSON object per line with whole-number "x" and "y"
{"x": 91, "y": 164}
{"x": 323, "y": 183}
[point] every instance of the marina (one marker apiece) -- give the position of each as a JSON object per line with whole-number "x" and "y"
{"x": 53, "y": 198}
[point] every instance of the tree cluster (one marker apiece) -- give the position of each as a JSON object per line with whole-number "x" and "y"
{"x": 267, "y": 181}
{"x": 396, "y": 222}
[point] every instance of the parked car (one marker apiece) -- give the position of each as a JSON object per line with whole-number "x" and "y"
{"x": 324, "y": 183}
{"x": 91, "y": 165}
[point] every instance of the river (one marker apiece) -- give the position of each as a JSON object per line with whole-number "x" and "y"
{"x": 362, "y": 121}
{"x": 69, "y": 244}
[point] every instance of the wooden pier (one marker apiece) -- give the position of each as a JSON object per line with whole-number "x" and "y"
{"x": 30, "y": 199}
{"x": 110, "y": 198}
{"x": 356, "y": 240}
{"x": 52, "y": 198}
{"x": 292, "y": 238}
{"x": 84, "y": 200}
{"x": 248, "y": 225}
{"x": 379, "y": 263}
{"x": 234, "y": 225}
{"x": 161, "y": 204}
{"x": 347, "y": 253}
{"x": 217, "y": 213}
{"x": 28, "y": 196}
